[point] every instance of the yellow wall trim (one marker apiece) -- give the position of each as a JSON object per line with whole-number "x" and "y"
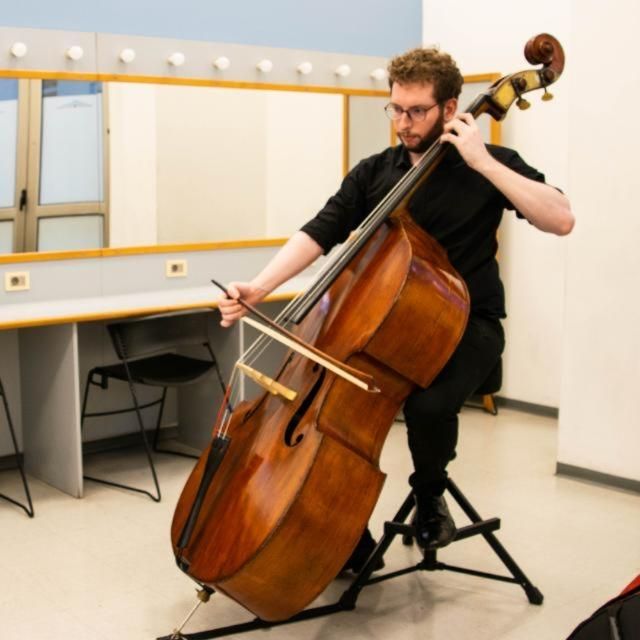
{"x": 129, "y": 251}
{"x": 193, "y": 82}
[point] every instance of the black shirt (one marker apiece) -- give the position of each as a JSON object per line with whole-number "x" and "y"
{"x": 456, "y": 205}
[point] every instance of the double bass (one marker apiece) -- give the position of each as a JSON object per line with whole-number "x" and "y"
{"x": 279, "y": 499}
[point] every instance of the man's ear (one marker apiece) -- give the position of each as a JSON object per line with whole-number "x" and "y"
{"x": 450, "y": 108}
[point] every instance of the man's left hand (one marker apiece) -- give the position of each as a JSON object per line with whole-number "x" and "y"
{"x": 462, "y": 132}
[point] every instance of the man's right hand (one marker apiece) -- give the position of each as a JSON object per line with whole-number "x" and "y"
{"x": 230, "y": 309}
{"x": 299, "y": 252}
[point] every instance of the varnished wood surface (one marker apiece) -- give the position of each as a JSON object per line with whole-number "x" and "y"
{"x": 296, "y": 472}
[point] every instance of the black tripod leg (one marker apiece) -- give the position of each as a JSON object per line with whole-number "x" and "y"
{"x": 407, "y": 539}
{"x": 533, "y": 593}
{"x": 350, "y": 596}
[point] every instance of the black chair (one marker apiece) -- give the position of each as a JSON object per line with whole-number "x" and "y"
{"x": 484, "y": 396}
{"x": 146, "y": 350}
{"x": 29, "y": 510}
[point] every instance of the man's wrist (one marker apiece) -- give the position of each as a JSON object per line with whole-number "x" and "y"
{"x": 487, "y": 166}
{"x": 262, "y": 287}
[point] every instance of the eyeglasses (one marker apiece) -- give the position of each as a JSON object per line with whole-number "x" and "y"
{"x": 416, "y": 114}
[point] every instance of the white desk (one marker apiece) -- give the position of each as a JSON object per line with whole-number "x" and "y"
{"x": 111, "y": 307}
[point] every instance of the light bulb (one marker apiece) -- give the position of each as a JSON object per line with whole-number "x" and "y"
{"x": 176, "y": 59}
{"x": 379, "y": 74}
{"x": 222, "y": 63}
{"x": 18, "y": 50}
{"x": 127, "y": 55}
{"x": 343, "y": 70}
{"x": 264, "y": 66}
{"x": 75, "y": 53}
{"x": 305, "y": 68}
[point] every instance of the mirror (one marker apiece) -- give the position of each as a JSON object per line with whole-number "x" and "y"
{"x": 149, "y": 164}
{"x": 124, "y": 164}
{"x": 204, "y": 164}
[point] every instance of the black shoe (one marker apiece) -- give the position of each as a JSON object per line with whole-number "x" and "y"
{"x": 361, "y": 554}
{"x": 434, "y": 525}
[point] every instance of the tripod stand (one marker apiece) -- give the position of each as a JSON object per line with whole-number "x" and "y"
{"x": 396, "y": 526}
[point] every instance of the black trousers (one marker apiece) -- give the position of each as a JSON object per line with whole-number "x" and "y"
{"x": 431, "y": 414}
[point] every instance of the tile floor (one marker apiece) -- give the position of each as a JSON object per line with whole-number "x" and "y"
{"x": 101, "y": 568}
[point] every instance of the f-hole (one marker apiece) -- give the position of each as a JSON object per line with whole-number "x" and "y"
{"x": 302, "y": 409}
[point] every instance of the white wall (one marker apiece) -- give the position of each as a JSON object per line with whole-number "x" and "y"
{"x": 586, "y": 141}
{"x": 599, "y": 417}
{"x": 490, "y": 37}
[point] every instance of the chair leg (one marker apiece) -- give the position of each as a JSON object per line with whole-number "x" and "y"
{"x": 28, "y": 510}
{"x": 223, "y": 386}
{"x": 85, "y": 399}
{"x": 157, "y": 497}
{"x": 156, "y": 433}
{"x": 489, "y": 404}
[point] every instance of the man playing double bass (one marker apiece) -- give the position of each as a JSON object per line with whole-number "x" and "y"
{"x": 460, "y": 205}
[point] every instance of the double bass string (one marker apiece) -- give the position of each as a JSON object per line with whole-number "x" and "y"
{"x": 388, "y": 204}
{"x": 336, "y": 265}
{"x": 363, "y": 232}
{"x": 373, "y": 221}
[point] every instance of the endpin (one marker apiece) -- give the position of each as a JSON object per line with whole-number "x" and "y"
{"x": 204, "y": 595}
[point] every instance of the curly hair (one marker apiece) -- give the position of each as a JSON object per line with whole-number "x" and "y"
{"x": 427, "y": 65}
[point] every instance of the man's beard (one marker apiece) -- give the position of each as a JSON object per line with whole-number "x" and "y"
{"x": 424, "y": 143}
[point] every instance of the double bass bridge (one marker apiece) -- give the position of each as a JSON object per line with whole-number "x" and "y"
{"x": 268, "y": 384}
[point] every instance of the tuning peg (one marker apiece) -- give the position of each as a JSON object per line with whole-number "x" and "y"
{"x": 520, "y": 86}
{"x": 546, "y": 96}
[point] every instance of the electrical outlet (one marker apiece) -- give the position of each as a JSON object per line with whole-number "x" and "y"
{"x": 176, "y": 268}
{"x": 16, "y": 281}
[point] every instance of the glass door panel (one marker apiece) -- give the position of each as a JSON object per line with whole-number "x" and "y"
{"x": 71, "y": 158}
{"x": 66, "y": 233}
{"x": 8, "y": 141}
{"x": 14, "y": 107}
{"x": 67, "y": 167}
{"x": 6, "y": 236}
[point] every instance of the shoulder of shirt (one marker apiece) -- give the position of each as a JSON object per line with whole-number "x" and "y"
{"x": 390, "y": 155}
{"x": 501, "y": 153}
